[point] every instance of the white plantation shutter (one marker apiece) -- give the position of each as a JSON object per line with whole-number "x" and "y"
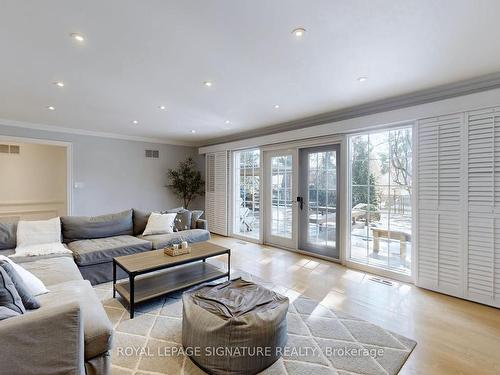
{"x": 440, "y": 204}
{"x": 216, "y": 192}
{"x": 483, "y": 188}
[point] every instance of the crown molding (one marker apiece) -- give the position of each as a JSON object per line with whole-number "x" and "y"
{"x": 471, "y": 86}
{"x": 61, "y": 129}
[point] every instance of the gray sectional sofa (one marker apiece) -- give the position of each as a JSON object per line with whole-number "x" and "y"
{"x": 95, "y": 241}
{"x": 70, "y": 333}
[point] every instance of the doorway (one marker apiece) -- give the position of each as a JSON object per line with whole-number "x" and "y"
{"x": 38, "y": 175}
{"x": 318, "y": 201}
{"x": 280, "y": 192}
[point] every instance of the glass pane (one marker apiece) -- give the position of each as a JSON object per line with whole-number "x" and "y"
{"x": 381, "y": 199}
{"x": 247, "y": 185}
{"x": 322, "y": 202}
{"x": 281, "y": 202}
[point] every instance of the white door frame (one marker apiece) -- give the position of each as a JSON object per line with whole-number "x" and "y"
{"x": 292, "y": 243}
{"x": 69, "y": 162}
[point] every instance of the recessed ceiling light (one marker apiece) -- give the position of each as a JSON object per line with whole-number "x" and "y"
{"x": 77, "y": 37}
{"x": 193, "y": 131}
{"x": 51, "y": 108}
{"x": 299, "y": 32}
{"x": 363, "y": 79}
{"x": 208, "y": 83}
{"x": 276, "y": 106}
{"x": 135, "y": 122}
{"x": 227, "y": 122}
{"x": 162, "y": 107}
{"x": 59, "y": 84}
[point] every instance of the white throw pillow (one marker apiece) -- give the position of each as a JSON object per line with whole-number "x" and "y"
{"x": 38, "y": 232}
{"x": 41, "y": 249}
{"x": 160, "y": 224}
{"x": 33, "y": 283}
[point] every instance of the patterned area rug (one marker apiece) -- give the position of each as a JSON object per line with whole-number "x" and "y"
{"x": 321, "y": 341}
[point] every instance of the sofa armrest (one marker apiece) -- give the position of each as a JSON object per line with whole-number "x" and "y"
{"x": 201, "y": 224}
{"x": 45, "y": 341}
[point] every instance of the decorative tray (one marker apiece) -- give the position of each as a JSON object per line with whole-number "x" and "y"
{"x": 176, "y": 252}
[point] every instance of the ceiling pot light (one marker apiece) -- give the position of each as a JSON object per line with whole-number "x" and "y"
{"x": 363, "y": 79}
{"x": 77, "y": 37}
{"x": 276, "y": 106}
{"x": 208, "y": 83}
{"x": 193, "y": 131}
{"x": 135, "y": 122}
{"x": 59, "y": 84}
{"x": 299, "y": 32}
{"x": 162, "y": 107}
{"x": 227, "y": 122}
{"x": 51, "y": 108}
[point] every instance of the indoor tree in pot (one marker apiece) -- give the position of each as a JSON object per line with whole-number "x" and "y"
{"x": 186, "y": 182}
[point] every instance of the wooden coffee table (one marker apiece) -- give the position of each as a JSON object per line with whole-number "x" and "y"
{"x": 152, "y": 273}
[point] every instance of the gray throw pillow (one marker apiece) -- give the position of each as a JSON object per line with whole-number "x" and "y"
{"x": 9, "y": 297}
{"x": 182, "y": 220}
{"x": 6, "y": 313}
{"x": 195, "y": 216}
{"x": 8, "y": 235}
{"x": 140, "y": 221}
{"x": 28, "y": 299}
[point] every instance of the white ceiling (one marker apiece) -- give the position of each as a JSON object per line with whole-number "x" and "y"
{"x": 142, "y": 54}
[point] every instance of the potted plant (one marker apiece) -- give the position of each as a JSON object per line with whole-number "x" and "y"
{"x": 186, "y": 182}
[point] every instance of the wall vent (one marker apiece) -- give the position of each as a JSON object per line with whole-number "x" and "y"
{"x": 15, "y": 149}
{"x": 10, "y": 149}
{"x": 155, "y": 154}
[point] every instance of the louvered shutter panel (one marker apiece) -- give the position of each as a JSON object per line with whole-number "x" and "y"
{"x": 483, "y": 173}
{"x": 216, "y": 192}
{"x": 440, "y": 204}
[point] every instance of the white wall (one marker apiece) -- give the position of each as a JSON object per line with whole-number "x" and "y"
{"x": 113, "y": 174}
{"x": 33, "y": 182}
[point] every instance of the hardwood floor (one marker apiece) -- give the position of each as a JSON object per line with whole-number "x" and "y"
{"x": 454, "y": 336}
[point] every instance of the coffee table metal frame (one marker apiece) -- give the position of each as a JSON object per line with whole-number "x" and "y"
{"x": 207, "y": 273}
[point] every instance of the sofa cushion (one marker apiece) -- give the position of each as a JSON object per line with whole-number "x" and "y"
{"x": 53, "y": 270}
{"x": 102, "y": 250}
{"x": 140, "y": 221}
{"x": 98, "y": 330}
{"x": 76, "y": 228}
{"x": 8, "y": 235}
{"x": 160, "y": 241}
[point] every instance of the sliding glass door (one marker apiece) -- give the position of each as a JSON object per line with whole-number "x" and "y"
{"x": 246, "y": 193}
{"x": 381, "y": 199}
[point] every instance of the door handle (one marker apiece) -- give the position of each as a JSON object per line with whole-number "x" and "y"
{"x": 300, "y": 200}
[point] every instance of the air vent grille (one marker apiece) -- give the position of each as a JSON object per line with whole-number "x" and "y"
{"x": 15, "y": 149}
{"x": 10, "y": 149}
{"x": 155, "y": 154}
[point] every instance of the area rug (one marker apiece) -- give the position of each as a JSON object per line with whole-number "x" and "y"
{"x": 321, "y": 340}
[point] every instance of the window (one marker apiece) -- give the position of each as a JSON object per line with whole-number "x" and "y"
{"x": 381, "y": 191}
{"x": 246, "y": 212}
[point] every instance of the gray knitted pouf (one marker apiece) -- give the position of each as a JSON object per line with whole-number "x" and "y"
{"x": 236, "y": 327}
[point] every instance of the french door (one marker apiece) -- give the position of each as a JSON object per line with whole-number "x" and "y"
{"x": 280, "y": 194}
{"x": 318, "y": 200}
